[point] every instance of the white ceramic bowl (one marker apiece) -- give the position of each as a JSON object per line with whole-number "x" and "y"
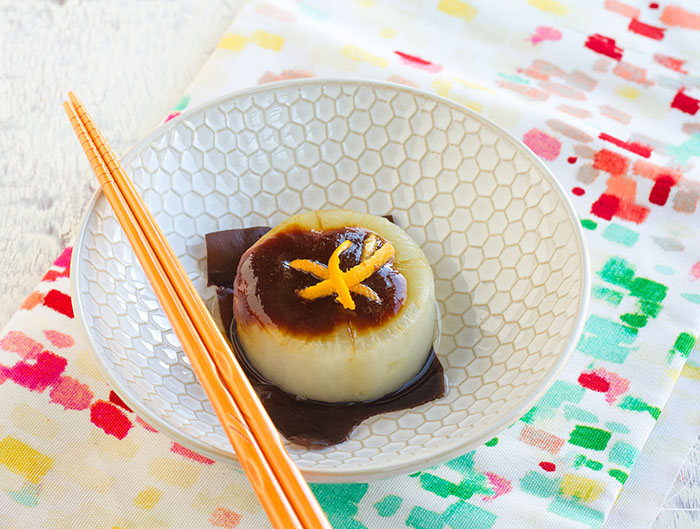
{"x": 506, "y": 247}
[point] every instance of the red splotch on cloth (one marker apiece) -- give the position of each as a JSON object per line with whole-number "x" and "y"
{"x": 685, "y": 103}
{"x": 603, "y": 381}
{"x": 58, "y": 301}
{"x": 37, "y": 374}
{"x": 176, "y": 448}
{"x": 636, "y": 148}
{"x": 116, "y": 399}
{"x": 640, "y": 28}
{"x": 604, "y": 45}
{"x": 417, "y": 62}
{"x": 110, "y": 418}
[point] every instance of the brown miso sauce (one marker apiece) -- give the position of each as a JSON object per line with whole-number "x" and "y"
{"x": 266, "y": 286}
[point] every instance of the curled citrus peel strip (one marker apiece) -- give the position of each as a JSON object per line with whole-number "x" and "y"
{"x": 350, "y": 279}
{"x": 335, "y": 276}
{"x": 369, "y": 246}
{"x": 321, "y": 272}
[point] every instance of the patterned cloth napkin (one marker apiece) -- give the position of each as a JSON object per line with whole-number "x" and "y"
{"x": 608, "y": 95}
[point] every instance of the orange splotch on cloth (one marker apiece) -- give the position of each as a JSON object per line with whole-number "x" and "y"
{"x": 621, "y": 8}
{"x": 32, "y": 300}
{"x": 613, "y": 163}
{"x": 653, "y": 172}
{"x": 670, "y": 62}
{"x": 71, "y": 394}
{"x": 400, "y": 80}
{"x": 226, "y": 518}
{"x": 542, "y": 439}
{"x": 24, "y": 460}
{"x": 59, "y": 339}
{"x": 625, "y": 189}
{"x": 619, "y": 199}
{"x": 674, "y": 15}
{"x": 632, "y": 73}
{"x": 270, "y": 77}
{"x": 20, "y": 343}
{"x": 53, "y": 275}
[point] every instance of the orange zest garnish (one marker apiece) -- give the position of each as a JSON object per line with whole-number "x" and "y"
{"x": 310, "y": 267}
{"x": 335, "y": 276}
{"x": 358, "y": 273}
{"x": 369, "y": 246}
{"x": 365, "y": 291}
{"x": 335, "y": 281}
{"x": 353, "y": 277}
{"x": 321, "y": 272}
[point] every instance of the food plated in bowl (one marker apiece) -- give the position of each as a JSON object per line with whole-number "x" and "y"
{"x": 334, "y": 317}
{"x": 502, "y": 240}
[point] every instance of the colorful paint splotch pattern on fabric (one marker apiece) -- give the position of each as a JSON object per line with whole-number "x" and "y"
{"x": 606, "y": 94}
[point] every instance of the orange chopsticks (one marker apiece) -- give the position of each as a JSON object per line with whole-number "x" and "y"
{"x": 284, "y": 494}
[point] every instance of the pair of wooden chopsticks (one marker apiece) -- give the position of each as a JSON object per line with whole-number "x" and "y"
{"x": 284, "y": 494}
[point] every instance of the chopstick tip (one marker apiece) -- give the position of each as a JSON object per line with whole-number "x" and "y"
{"x": 73, "y": 98}
{"x": 68, "y": 108}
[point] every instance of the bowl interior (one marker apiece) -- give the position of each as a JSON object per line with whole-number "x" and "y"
{"x": 503, "y": 241}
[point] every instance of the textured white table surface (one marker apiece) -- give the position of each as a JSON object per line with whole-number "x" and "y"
{"x": 130, "y": 61}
